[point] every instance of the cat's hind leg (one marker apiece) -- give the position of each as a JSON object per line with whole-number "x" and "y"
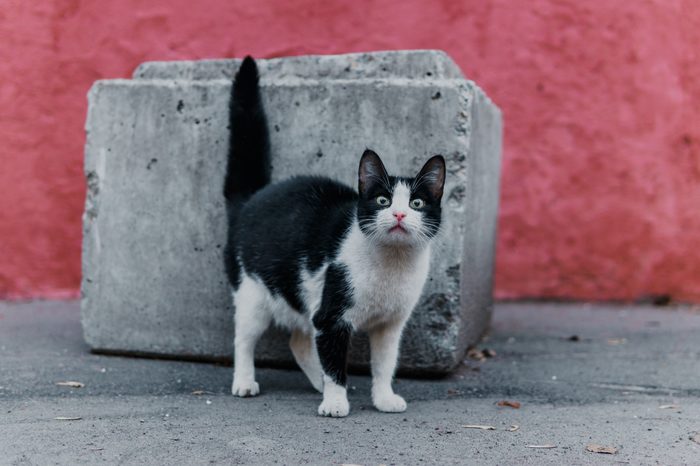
{"x": 252, "y": 318}
{"x": 304, "y": 351}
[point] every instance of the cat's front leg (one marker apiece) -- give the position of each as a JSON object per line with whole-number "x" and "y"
{"x": 332, "y": 344}
{"x": 332, "y": 340}
{"x": 384, "y": 343}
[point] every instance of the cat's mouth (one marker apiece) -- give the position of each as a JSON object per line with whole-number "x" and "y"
{"x": 398, "y": 229}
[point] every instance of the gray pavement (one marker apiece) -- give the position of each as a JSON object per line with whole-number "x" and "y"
{"x": 606, "y": 388}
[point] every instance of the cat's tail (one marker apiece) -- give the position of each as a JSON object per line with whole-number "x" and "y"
{"x": 248, "y": 167}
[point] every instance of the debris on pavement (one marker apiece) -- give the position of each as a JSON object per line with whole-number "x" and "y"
{"x": 198, "y": 392}
{"x": 509, "y": 404}
{"x": 616, "y": 341}
{"x": 695, "y": 437}
{"x": 670, "y": 407}
{"x": 544, "y": 447}
{"x": 480, "y": 354}
{"x": 513, "y": 428}
{"x": 595, "y": 448}
{"x": 574, "y": 338}
{"x": 476, "y": 426}
{"x": 71, "y": 383}
{"x": 67, "y": 418}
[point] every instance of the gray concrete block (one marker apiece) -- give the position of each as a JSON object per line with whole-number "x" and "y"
{"x": 154, "y": 223}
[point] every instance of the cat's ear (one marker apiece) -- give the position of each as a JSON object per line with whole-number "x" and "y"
{"x": 372, "y": 171}
{"x": 432, "y": 176}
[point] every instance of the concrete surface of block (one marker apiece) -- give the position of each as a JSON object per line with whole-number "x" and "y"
{"x": 154, "y": 223}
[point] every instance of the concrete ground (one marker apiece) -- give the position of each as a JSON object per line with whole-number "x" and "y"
{"x": 624, "y": 377}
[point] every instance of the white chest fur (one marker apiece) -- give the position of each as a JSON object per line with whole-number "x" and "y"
{"x": 387, "y": 283}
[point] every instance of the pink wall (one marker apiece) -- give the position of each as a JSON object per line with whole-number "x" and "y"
{"x": 601, "y": 175}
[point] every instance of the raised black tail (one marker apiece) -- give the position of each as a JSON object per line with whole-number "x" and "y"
{"x": 249, "y": 144}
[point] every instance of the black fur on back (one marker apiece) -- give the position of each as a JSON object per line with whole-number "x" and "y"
{"x": 302, "y": 219}
{"x": 271, "y": 227}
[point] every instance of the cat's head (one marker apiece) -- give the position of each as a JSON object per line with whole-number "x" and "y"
{"x": 396, "y": 210}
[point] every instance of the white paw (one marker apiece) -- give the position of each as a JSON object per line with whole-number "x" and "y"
{"x": 336, "y": 407}
{"x": 245, "y": 389}
{"x": 389, "y": 403}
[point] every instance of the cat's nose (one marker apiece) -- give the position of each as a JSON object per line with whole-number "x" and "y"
{"x": 399, "y": 215}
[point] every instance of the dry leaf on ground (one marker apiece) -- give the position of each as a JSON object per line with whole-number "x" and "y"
{"x": 480, "y": 354}
{"x": 71, "y": 383}
{"x": 670, "y": 407}
{"x": 595, "y": 448}
{"x": 67, "y": 418}
{"x": 476, "y": 426}
{"x": 513, "y": 428}
{"x": 547, "y": 446}
{"x": 510, "y": 404}
{"x": 617, "y": 341}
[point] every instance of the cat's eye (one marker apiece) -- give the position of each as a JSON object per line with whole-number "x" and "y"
{"x": 417, "y": 203}
{"x": 383, "y": 201}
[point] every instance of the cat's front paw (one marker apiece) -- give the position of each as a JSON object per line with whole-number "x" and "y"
{"x": 245, "y": 389}
{"x": 389, "y": 403}
{"x": 336, "y": 407}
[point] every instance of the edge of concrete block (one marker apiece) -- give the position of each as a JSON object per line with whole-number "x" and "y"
{"x": 412, "y": 64}
{"x": 485, "y": 126}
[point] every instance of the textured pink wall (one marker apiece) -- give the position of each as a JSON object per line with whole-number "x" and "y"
{"x": 601, "y": 175}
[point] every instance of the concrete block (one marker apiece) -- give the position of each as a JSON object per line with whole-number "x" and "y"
{"x": 154, "y": 223}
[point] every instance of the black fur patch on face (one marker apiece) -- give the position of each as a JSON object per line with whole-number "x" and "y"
{"x": 432, "y": 176}
{"x": 371, "y": 172}
{"x": 333, "y": 337}
{"x": 428, "y": 185}
{"x": 367, "y": 205}
{"x": 373, "y": 181}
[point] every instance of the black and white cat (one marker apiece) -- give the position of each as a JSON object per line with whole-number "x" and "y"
{"x": 317, "y": 257}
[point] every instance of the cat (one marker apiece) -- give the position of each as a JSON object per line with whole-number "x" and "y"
{"x": 321, "y": 259}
